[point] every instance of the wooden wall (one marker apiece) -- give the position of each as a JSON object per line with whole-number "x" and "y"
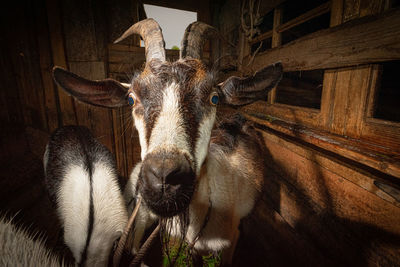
{"x": 324, "y": 203}
{"x": 39, "y": 35}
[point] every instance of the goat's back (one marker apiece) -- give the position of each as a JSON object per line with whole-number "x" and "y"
{"x": 82, "y": 182}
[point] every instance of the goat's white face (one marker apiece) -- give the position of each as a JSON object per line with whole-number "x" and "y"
{"x": 174, "y": 109}
{"x": 178, "y": 114}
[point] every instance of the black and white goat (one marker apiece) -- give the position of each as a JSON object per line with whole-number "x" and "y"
{"x": 82, "y": 181}
{"x": 211, "y": 170}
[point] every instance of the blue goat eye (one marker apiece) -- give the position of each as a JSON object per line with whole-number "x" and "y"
{"x": 214, "y": 99}
{"x": 131, "y": 99}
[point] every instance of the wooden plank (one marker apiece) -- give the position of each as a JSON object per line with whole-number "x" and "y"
{"x": 365, "y": 40}
{"x": 354, "y": 218}
{"x": 119, "y": 18}
{"x": 58, "y": 52}
{"x": 381, "y": 132}
{"x": 25, "y": 65}
{"x": 336, "y": 12}
{"x": 313, "y": 13}
{"x": 348, "y": 171}
{"x": 267, "y": 6}
{"x": 125, "y": 60}
{"x": 37, "y": 141}
{"x": 261, "y": 37}
{"x": 330, "y": 76}
{"x": 11, "y": 106}
{"x": 337, "y": 236}
{"x": 119, "y": 141}
{"x": 275, "y": 42}
{"x": 341, "y": 101}
{"x": 378, "y": 157}
{"x": 268, "y": 240}
{"x": 46, "y": 65}
{"x": 328, "y": 89}
{"x": 306, "y": 116}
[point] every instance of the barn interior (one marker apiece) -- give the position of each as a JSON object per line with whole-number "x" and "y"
{"x": 332, "y": 126}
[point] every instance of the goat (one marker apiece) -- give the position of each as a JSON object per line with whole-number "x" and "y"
{"x": 81, "y": 178}
{"x": 192, "y": 164}
{"x": 18, "y": 248}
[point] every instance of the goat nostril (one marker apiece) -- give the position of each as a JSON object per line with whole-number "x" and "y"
{"x": 175, "y": 177}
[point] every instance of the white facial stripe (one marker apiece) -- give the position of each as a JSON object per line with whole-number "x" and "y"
{"x": 168, "y": 130}
{"x": 203, "y": 141}
{"x": 139, "y": 123}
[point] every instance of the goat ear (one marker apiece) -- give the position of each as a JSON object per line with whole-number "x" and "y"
{"x": 242, "y": 91}
{"x": 105, "y": 93}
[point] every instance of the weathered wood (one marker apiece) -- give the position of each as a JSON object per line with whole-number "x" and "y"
{"x": 275, "y": 42}
{"x": 10, "y": 110}
{"x": 336, "y": 12}
{"x": 313, "y": 13}
{"x": 261, "y": 37}
{"x": 119, "y": 141}
{"x": 267, "y": 6}
{"x": 365, "y": 40}
{"x": 381, "y": 132}
{"x": 37, "y": 140}
{"x": 298, "y": 92}
{"x": 23, "y": 53}
{"x": 58, "y": 52}
{"x": 46, "y": 65}
{"x": 351, "y": 172}
{"x": 266, "y": 236}
{"x": 345, "y": 239}
{"x": 378, "y": 157}
{"x": 124, "y": 60}
{"x": 301, "y": 115}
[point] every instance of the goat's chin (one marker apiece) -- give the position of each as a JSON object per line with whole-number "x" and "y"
{"x": 165, "y": 205}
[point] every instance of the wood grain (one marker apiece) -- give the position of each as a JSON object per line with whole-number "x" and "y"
{"x": 384, "y": 159}
{"x": 66, "y": 102}
{"x": 365, "y": 40}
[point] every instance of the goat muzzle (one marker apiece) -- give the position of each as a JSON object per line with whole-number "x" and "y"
{"x": 167, "y": 183}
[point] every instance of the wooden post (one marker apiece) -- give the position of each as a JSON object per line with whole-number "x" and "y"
{"x": 345, "y": 99}
{"x": 58, "y": 52}
{"x": 276, "y": 42}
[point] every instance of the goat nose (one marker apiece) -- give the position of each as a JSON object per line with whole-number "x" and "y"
{"x": 167, "y": 173}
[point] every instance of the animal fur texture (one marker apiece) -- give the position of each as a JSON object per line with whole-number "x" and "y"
{"x": 19, "y": 248}
{"x": 81, "y": 178}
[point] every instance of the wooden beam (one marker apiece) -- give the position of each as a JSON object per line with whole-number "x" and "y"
{"x": 380, "y": 158}
{"x": 362, "y": 41}
{"x": 313, "y": 13}
{"x": 261, "y": 37}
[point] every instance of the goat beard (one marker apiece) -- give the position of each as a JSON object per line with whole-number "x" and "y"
{"x": 173, "y": 232}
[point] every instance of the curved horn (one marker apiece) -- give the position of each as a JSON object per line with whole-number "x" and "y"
{"x": 151, "y": 34}
{"x": 193, "y": 39}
